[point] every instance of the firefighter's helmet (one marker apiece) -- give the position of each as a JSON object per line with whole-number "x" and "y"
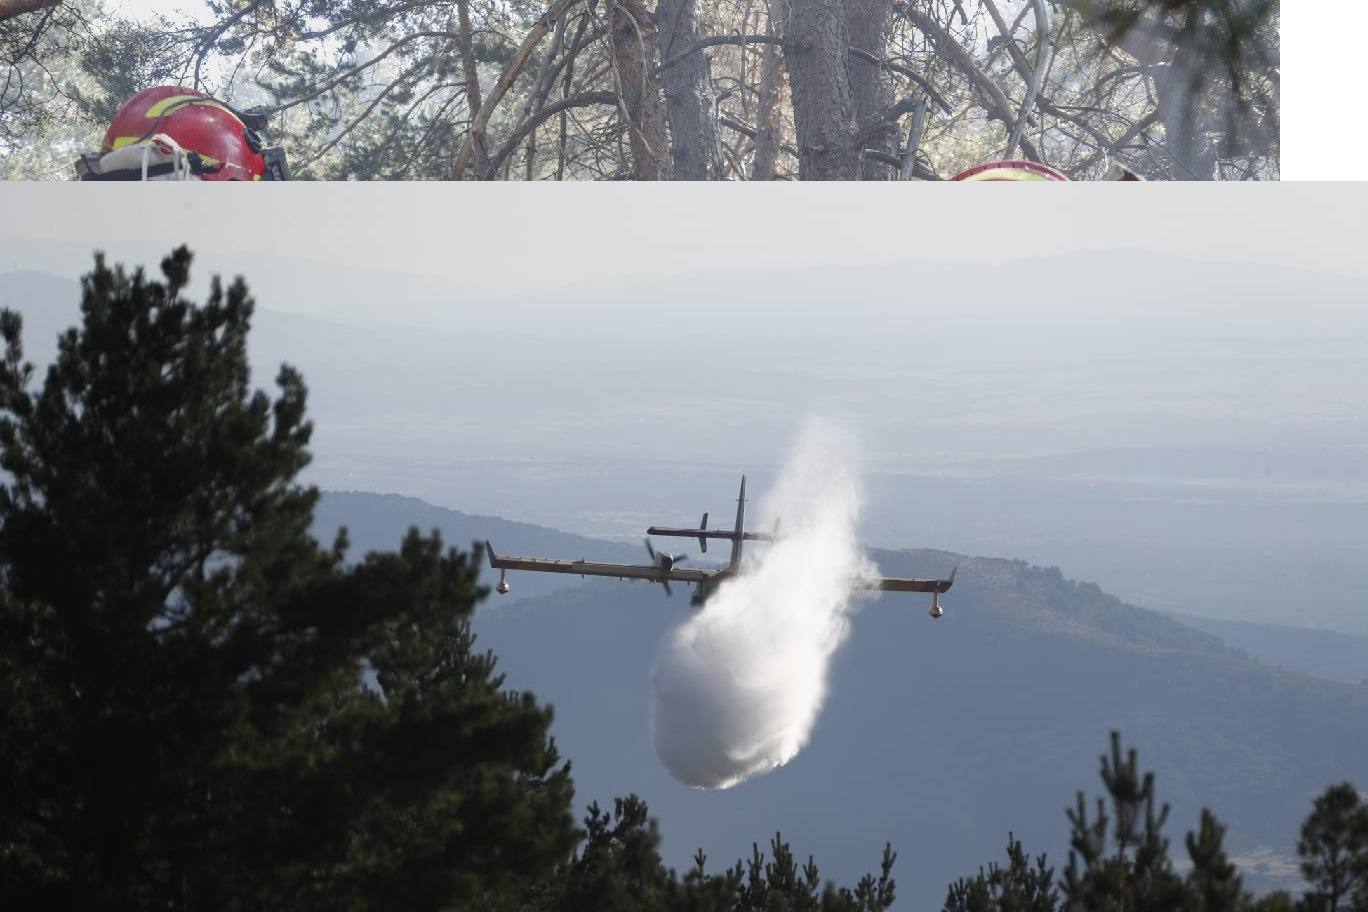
{"x": 222, "y": 143}
{"x": 1010, "y": 171}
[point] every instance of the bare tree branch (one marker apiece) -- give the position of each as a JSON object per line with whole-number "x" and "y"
{"x": 887, "y": 118}
{"x": 477, "y": 127}
{"x": 921, "y": 82}
{"x": 746, "y": 129}
{"x": 1120, "y": 142}
{"x": 894, "y": 161}
{"x": 715, "y": 40}
{"x": 1037, "y": 81}
{"x": 965, "y": 63}
{"x": 581, "y": 100}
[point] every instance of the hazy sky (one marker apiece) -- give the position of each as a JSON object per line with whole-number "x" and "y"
{"x": 512, "y": 238}
{"x": 1107, "y": 414}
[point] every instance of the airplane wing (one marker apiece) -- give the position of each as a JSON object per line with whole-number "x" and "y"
{"x": 907, "y": 584}
{"x": 592, "y": 568}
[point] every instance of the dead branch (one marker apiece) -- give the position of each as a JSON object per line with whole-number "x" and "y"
{"x": 1043, "y": 104}
{"x": 918, "y": 169}
{"x": 914, "y": 134}
{"x": 965, "y": 63}
{"x": 715, "y": 40}
{"x": 545, "y": 113}
{"x": 477, "y": 127}
{"x": 888, "y": 117}
{"x": 921, "y": 82}
{"x": 747, "y": 130}
{"x": 1120, "y": 142}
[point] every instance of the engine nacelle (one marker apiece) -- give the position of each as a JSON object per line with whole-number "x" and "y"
{"x": 503, "y": 587}
{"x": 936, "y": 610}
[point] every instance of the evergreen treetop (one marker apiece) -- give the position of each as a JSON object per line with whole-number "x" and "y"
{"x": 203, "y": 707}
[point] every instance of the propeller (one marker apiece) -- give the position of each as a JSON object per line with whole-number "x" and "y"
{"x": 665, "y": 561}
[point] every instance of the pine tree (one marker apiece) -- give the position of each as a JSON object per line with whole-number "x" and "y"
{"x": 1120, "y": 863}
{"x": 781, "y": 884}
{"x": 618, "y": 868}
{"x": 201, "y": 706}
{"x": 1213, "y": 883}
{"x": 700, "y": 891}
{"x": 1334, "y": 851}
{"x": 1137, "y": 876}
{"x": 1019, "y": 887}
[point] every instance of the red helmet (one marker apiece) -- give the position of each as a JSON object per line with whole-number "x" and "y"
{"x": 1010, "y": 171}
{"x": 226, "y": 147}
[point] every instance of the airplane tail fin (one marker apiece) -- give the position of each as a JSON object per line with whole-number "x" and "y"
{"x": 702, "y": 539}
{"x": 740, "y": 521}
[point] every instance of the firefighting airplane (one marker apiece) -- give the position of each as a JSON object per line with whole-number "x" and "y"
{"x": 663, "y": 569}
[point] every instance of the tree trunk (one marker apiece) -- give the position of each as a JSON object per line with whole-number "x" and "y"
{"x": 472, "y": 80}
{"x": 768, "y": 123}
{"x": 689, "y": 100}
{"x": 635, "y": 56}
{"x": 1191, "y": 155}
{"x": 867, "y": 21}
{"x": 816, "y": 54}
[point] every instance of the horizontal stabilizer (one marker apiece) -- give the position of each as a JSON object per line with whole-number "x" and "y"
{"x": 702, "y": 534}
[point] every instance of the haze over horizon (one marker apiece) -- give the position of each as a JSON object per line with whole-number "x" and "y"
{"x": 534, "y": 237}
{"x": 1190, "y": 435}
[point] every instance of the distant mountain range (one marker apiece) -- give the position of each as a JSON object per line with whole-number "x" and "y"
{"x": 938, "y": 736}
{"x": 1188, "y": 445}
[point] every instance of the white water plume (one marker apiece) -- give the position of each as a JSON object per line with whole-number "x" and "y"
{"x": 739, "y": 685}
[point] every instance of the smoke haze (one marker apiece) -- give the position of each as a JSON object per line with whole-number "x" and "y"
{"x": 739, "y": 685}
